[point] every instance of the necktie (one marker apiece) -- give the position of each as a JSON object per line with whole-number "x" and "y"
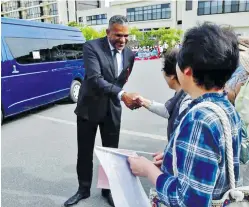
{"x": 115, "y": 62}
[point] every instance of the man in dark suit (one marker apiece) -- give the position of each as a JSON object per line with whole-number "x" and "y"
{"x": 108, "y": 63}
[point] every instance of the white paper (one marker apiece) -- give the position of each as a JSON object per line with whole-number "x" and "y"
{"x": 103, "y": 182}
{"x": 36, "y": 55}
{"x": 126, "y": 188}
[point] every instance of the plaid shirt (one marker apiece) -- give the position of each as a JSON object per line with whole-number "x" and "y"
{"x": 202, "y": 169}
{"x": 239, "y": 76}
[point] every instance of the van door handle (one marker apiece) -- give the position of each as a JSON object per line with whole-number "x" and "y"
{"x": 14, "y": 70}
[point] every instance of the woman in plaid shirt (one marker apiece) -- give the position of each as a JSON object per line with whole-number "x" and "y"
{"x": 207, "y": 59}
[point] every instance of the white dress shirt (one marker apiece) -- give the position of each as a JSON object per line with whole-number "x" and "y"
{"x": 119, "y": 58}
{"x": 120, "y": 61}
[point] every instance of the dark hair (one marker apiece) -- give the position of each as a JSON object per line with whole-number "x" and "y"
{"x": 118, "y": 19}
{"x": 170, "y": 60}
{"x": 211, "y": 52}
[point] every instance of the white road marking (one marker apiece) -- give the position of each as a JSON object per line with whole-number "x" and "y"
{"x": 123, "y": 131}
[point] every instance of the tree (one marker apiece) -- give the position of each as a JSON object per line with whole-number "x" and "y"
{"x": 102, "y": 33}
{"x": 89, "y": 32}
{"x": 138, "y": 34}
{"x": 73, "y": 24}
{"x": 169, "y": 36}
{"x": 144, "y": 38}
{"x": 154, "y": 37}
{"x": 148, "y": 38}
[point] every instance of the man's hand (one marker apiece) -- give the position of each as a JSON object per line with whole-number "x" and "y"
{"x": 141, "y": 101}
{"x": 130, "y": 100}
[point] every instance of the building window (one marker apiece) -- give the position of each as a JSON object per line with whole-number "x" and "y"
{"x": 29, "y": 3}
{"x": 10, "y": 6}
{"x": 55, "y": 20}
{"x": 235, "y": 6}
{"x": 161, "y": 11}
{"x": 216, "y": 7}
{"x": 33, "y": 13}
{"x": 222, "y": 6}
{"x": 53, "y": 9}
{"x": 131, "y": 15}
{"x": 189, "y": 5}
{"x": 13, "y": 15}
{"x": 80, "y": 19}
{"x": 96, "y": 19}
{"x": 179, "y": 22}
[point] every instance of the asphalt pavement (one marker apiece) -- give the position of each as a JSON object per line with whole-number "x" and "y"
{"x": 39, "y": 148}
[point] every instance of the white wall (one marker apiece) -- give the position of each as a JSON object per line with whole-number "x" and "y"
{"x": 62, "y": 11}
{"x": 153, "y": 24}
{"x": 105, "y": 10}
{"x": 102, "y": 4}
{"x": 118, "y": 3}
{"x": 71, "y": 8}
{"x": 137, "y": 3}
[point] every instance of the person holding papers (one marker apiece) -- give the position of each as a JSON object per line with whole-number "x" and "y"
{"x": 208, "y": 57}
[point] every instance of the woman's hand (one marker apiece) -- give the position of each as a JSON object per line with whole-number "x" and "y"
{"x": 158, "y": 159}
{"x": 140, "y": 166}
{"x": 141, "y": 101}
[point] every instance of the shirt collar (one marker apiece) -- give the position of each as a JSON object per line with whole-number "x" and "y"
{"x": 208, "y": 97}
{"x": 113, "y": 48}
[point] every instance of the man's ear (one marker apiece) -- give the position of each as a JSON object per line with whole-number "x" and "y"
{"x": 188, "y": 71}
{"x": 172, "y": 77}
{"x": 107, "y": 32}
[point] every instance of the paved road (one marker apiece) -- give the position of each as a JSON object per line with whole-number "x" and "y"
{"x": 39, "y": 148}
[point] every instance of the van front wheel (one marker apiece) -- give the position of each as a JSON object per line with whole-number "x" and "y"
{"x": 74, "y": 91}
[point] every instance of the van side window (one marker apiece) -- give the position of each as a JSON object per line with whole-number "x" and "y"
{"x": 28, "y": 51}
{"x": 72, "y": 49}
{"x": 56, "y": 51}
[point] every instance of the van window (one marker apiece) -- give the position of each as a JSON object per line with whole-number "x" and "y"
{"x": 72, "y": 50}
{"x": 30, "y": 50}
{"x": 56, "y": 51}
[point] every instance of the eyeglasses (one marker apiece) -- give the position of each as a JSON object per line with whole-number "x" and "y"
{"x": 121, "y": 35}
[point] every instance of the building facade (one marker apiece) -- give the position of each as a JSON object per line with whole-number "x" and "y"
{"x": 222, "y": 12}
{"x": 181, "y": 14}
{"x": 143, "y": 14}
{"x": 50, "y": 11}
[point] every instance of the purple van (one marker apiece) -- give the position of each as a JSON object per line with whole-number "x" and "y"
{"x": 41, "y": 63}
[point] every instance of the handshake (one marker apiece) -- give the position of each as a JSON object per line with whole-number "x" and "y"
{"x": 134, "y": 101}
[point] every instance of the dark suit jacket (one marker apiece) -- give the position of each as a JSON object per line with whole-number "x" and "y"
{"x": 99, "y": 90}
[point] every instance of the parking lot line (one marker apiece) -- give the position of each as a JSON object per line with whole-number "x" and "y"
{"x": 123, "y": 131}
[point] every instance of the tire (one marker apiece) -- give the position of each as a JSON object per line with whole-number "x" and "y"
{"x": 74, "y": 91}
